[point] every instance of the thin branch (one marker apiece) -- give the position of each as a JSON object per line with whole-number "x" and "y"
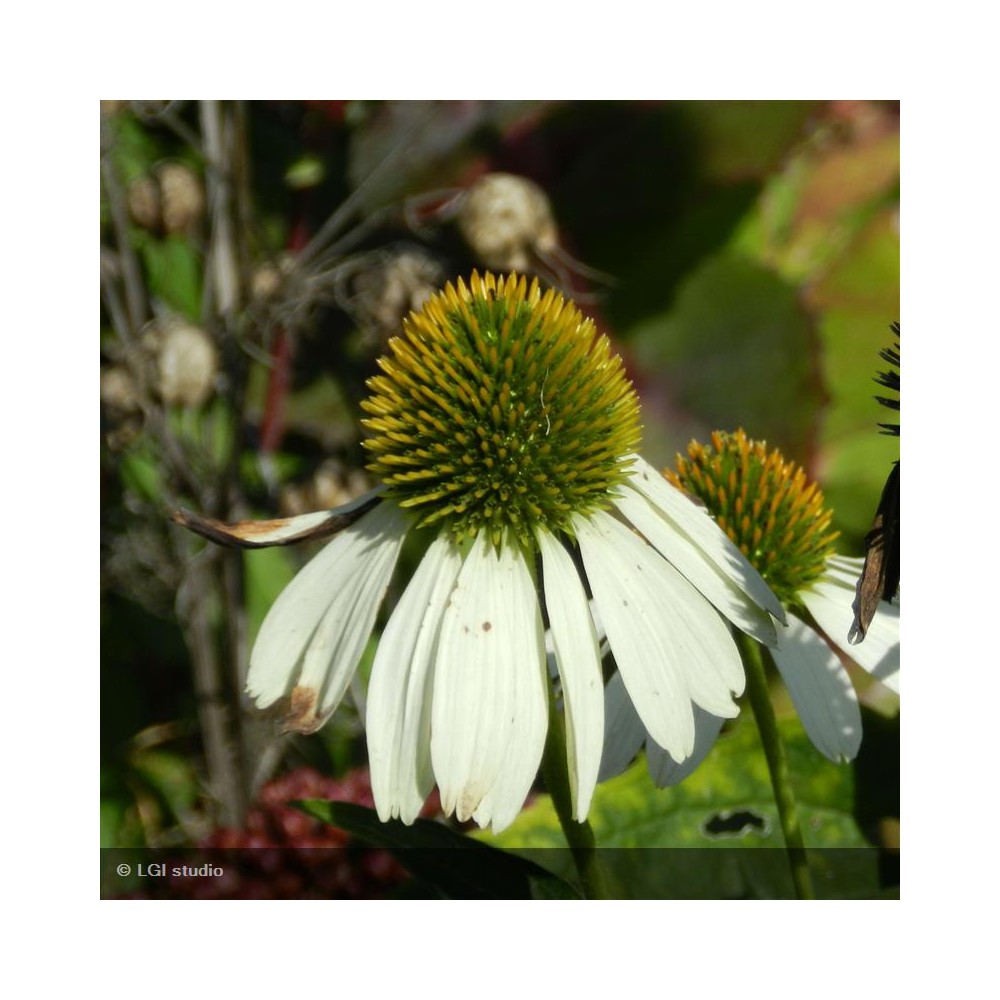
{"x": 113, "y": 303}
{"x": 353, "y": 203}
{"x": 135, "y": 296}
{"x": 214, "y": 714}
{"x": 182, "y": 131}
{"x": 218, "y": 184}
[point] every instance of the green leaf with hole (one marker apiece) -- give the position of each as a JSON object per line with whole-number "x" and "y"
{"x": 694, "y": 840}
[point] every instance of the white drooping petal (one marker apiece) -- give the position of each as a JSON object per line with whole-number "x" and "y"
{"x": 664, "y": 770}
{"x": 624, "y": 732}
{"x": 340, "y": 639}
{"x": 702, "y": 640}
{"x": 820, "y": 689}
{"x": 653, "y": 678}
{"x": 697, "y": 524}
{"x": 326, "y": 590}
{"x": 287, "y": 529}
{"x": 578, "y": 657}
{"x": 399, "y": 696}
{"x": 283, "y": 530}
{"x": 670, "y": 645}
{"x": 490, "y": 709}
{"x": 830, "y": 602}
{"x": 686, "y": 557}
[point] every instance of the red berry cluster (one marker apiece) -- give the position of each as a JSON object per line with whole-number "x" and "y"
{"x": 282, "y": 853}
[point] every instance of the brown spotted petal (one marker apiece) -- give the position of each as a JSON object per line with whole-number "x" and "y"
{"x": 315, "y": 633}
{"x": 282, "y": 530}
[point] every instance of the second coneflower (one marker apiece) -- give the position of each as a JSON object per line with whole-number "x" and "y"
{"x": 769, "y": 509}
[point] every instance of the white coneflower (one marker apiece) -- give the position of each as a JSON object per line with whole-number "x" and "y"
{"x": 777, "y": 518}
{"x": 506, "y": 426}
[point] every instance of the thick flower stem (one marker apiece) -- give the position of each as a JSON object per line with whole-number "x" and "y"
{"x": 777, "y": 765}
{"x": 579, "y": 836}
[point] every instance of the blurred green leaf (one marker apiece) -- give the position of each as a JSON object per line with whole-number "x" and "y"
{"x": 738, "y": 350}
{"x": 173, "y": 269}
{"x": 306, "y": 172}
{"x": 140, "y": 473}
{"x": 741, "y": 139}
{"x": 217, "y": 423}
{"x": 322, "y": 409}
{"x": 135, "y": 147}
{"x": 811, "y": 213}
{"x": 828, "y": 220}
{"x": 861, "y": 301}
{"x": 112, "y": 813}
{"x": 120, "y": 826}
{"x": 865, "y": 279}
{"x": 267, "y": 573}
{"x": 170, "y": 776}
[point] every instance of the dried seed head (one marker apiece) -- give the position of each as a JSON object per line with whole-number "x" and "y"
{"x": 121, "y": 413}
{"x": 181, "y": 198}
{"x": 397, "y": 284}
{"x": 506, "y": 220}
{"x": 144, "y": 203}
{"x": 186, "y": 361}
{"x": 267, "y": 279}
{"x": 118, "y": 391}
{"x": 169, "y": 200}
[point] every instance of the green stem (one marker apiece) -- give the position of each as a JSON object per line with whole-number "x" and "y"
{"x": 579, "y": 836}
{"x": 777, "y": 765}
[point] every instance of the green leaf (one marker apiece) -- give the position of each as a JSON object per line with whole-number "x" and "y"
{"x": 112, "y": 820}
{"x": 173, "y": 269}
{"x": 135, "y": 148}
{"x": 217, "y": 431}
{"x": 828, "y": 222}
{"x": 738, "y": 350}
{"x": 267, "y": 573}
{"x": 306, "y": 172}
{"x": 740, "y": 139}
{"x": 141, "y": 474}
{"x": 862, "y": 298}
{"x": 170, "y": 776}
{"x": 698, "y": 839}
{"x": 458, "y": 866}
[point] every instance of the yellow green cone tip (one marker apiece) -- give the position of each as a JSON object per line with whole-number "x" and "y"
{"x": 500, "y": 408}
{"x": 764, "y": 504}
